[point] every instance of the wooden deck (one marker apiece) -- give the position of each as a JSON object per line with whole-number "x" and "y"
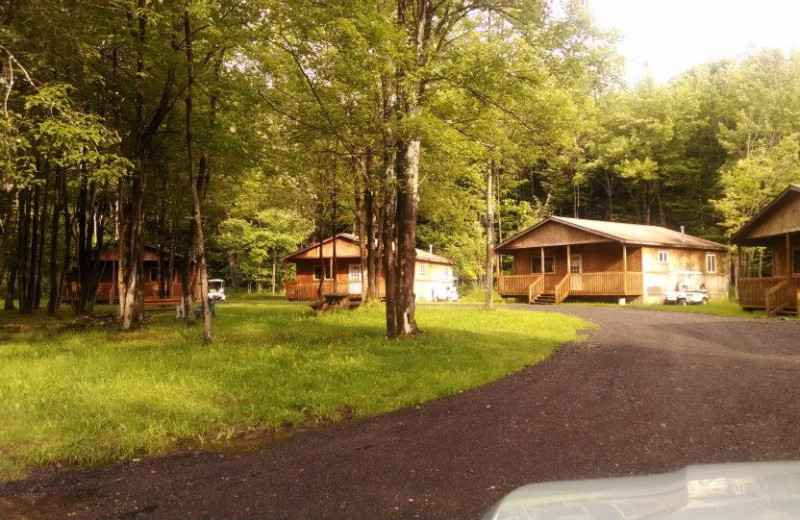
{"x": 565, "y": 285}
{"x": 309, "y": 291}
{"x": 106, "y": 293}
{"x": 774, "y": 295}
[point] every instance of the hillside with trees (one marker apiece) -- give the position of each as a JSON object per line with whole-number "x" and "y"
{"x": 232, "y": 133}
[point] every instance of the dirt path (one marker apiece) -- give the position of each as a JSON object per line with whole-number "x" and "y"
{"x": 649, "y": 392}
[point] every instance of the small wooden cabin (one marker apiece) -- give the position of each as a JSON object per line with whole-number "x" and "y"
{"x": 433, "y": 272}
{"x": 776, "y": 227}
{"x": 561, "y": 258}
{"x": 109, "y": 264}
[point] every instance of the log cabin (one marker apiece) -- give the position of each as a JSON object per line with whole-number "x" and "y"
{"x": 107, "y": 292}
{"x": 564, "y": 258}
{"x": 432, "y": 272}
{"x": 777, "y": 228}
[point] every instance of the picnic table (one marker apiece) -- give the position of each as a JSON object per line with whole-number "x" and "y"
{"x": 332, "y": 300}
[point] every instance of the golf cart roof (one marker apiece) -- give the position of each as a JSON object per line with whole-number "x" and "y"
{"x": 216, "y": 280}
{"x": 688, "y": 272}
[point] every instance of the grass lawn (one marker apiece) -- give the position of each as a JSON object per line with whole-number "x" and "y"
{"x": 718, "y": 308}
{"x": 94, "y": 395}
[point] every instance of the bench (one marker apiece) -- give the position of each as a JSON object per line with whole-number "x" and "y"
{"x": 332, "y": 301}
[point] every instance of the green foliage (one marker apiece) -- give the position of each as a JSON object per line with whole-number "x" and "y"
{"x": 96, "y": 395}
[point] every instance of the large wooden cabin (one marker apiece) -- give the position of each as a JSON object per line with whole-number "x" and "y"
{"x": 107, "y": 291}
{"x": 432, "y": 272}
{"x": 776, "y": 227}
{"x": 561, "y": 258}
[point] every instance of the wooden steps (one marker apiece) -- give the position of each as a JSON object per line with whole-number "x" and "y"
{"x": 785, "y": 311}
{"x": 544, "y": 299}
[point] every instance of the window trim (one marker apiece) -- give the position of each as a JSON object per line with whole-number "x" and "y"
{"x": 665, "y": 254}
{"x": 713, "y": 258}
{"x": 536, "y": 263}
{"x": 315, "y": 273}
{"x": 422, "y": 268}
{"x": 795, "y": 260}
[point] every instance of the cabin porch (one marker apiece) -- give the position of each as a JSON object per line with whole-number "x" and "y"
{"x": 779, "y": 293}
{"x": 553, "y": 274}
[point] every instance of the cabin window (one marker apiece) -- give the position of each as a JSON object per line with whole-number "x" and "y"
{"x": 154, "y": 274}
{"x": 796, "y": 262}
{"x": 549, "y": 265}
{"x": 422, "y": 269}
{"x": 448, "y": 273}
{"x": 318, "y": 272}
{"x": 711, "y": 263}
{"x": 663, "y": 257}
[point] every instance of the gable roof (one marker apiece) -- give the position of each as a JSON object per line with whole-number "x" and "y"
{"x": 629, "y": 234}
{"x": 765, "y": 212}
{"x": 422, "y": 256}
{"x": 347, "y": 237}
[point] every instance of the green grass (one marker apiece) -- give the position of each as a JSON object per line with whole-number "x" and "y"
{"x": 96, "y": 395}
{"x": 717, "y": 308}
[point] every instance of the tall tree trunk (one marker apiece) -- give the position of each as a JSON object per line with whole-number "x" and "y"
{"x": 54, "y": 297}
{"x": 199, "y": 239}
{"x": 130, "y": 225}
{"x": 371, "y": 267}
{"x": 23, "y": 253}
{"x": 389, "y": 210}
{"x": 490, "y": 236}
{"x": 37, "y": 291}
{"x": 407, "y": 171}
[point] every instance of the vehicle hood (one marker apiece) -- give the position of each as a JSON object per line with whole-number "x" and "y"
{"x": 761, "y": 490}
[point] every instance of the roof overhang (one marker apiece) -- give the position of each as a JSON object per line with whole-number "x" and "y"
{"x": 740, "y": 237}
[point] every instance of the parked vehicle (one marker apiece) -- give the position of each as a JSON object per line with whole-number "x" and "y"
{"x": 448, "y": 293}
{"x": 216, "y": 290}
{"x": 690, "y": 290}
{"x": 708, "y": 492}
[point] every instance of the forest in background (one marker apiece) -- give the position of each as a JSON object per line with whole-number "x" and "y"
{"x": 233, "y": 132}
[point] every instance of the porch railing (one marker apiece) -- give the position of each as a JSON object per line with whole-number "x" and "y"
{"x": 606, "y": 284}
{"x": 583, "y": 284}
{"x": 516, "y": 284}
{"x": 562, "y": 289}
{"x": 536, "y": 288}
{"x": 753, "y": 291}
{"x": 307, "y": 290}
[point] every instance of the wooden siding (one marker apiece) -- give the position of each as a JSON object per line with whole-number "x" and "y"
{"x": 552, "y": 234}
{"x": 784, "y": 218}
{"x": 781, "y": 262}
{"x": 344, "y": 249}
{"x": 594, "y": 257}
{"x": 304, "y": 287}
{"x": 683, "y": 260}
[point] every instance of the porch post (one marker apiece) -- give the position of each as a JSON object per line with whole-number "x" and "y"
{"x": 624, "y": 269}
{"x": 333, "y": 275}
{"x": 788, "y": 258}
{"x": 569, "y": 260}
{"x": 542, "y": 260}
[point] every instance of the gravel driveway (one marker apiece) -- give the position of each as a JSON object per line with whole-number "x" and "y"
{"x": 648, "y": 392}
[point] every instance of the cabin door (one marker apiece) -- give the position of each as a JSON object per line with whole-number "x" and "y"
{"x": 354, "y": 279}
{"x": 576, "y": 267}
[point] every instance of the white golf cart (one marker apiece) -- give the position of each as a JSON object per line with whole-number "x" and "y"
{"x": 446, "y": 292}
{"x": 216, "y": 290}
{"x": 689, "y": 290}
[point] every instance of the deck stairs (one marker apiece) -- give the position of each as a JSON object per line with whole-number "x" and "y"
{"x": 546, "y": 298}
{"x": 784, "y": 312}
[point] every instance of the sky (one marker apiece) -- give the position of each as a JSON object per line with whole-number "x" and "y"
{"x": 667, "y": 37}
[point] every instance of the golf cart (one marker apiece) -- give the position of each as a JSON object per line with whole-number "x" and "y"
{"x": 216, "y": 290}
{"x": 689, "y": 290}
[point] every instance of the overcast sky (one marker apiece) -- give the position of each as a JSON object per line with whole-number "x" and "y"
{"x": 667, "y": 37}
